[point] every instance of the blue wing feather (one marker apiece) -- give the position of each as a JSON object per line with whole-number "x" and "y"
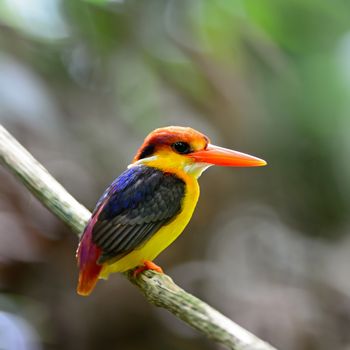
{"x": 136, "y": 205}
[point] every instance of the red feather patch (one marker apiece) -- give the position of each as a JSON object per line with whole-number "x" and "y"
{"x": 87, "y": 255}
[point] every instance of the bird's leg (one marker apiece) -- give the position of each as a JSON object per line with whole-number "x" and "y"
{"x": 147, "y": 265}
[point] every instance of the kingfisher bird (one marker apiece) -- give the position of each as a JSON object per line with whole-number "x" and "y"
{"x": 148, "y": 206}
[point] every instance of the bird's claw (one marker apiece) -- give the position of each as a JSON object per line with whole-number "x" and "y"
{"x": 147, "y": 265}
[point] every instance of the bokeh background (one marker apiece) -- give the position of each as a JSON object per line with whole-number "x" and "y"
{"x": 83, "y": 82}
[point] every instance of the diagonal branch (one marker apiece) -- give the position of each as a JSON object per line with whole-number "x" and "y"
{"x": 159, "y": 289}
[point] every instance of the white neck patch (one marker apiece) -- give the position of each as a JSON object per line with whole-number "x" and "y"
{"x": 196, "y": 169}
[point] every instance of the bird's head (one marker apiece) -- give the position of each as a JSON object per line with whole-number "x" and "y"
{"x": 180, "y": 148}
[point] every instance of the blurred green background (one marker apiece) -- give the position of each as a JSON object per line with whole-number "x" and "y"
{"x": 83, "y": 82}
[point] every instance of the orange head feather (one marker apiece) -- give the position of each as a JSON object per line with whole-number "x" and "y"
{"x": 193, "y": 146}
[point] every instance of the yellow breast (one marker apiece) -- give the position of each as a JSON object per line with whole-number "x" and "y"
{"x": 165, "y": 235}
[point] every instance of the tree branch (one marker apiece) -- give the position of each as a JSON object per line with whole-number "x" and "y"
{"x": 159, "y": 289}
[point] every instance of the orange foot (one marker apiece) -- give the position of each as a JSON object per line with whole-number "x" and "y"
{"x": 147, "y": 265}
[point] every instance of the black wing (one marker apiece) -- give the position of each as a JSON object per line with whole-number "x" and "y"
{"x": 135, "y": 206}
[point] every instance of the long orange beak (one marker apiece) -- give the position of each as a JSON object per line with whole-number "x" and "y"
{"x": 225, "y": 157}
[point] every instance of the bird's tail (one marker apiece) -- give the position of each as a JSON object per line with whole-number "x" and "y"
{"x": 89, "y": 270}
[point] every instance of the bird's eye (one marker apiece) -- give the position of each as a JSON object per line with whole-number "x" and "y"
{"x": 181, "y": 147}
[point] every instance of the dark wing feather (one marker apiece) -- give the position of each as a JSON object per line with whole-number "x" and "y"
{"x": 140, "y": 201}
